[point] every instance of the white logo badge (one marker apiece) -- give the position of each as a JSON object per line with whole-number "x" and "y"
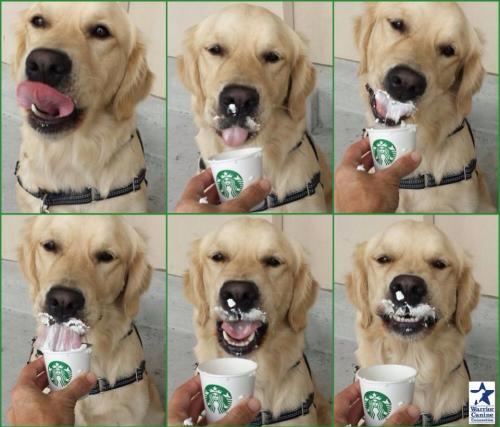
{"x": 481, "y": 402}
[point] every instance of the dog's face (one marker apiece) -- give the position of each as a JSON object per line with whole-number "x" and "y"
{"x": 75, "y": 61}
{"x": 412, "y": 279}
{"x": 241, "y": 65}
{"x": 420, "y": 52}
{"x": 248, "y": 283}
{"x": 90, "y": 268}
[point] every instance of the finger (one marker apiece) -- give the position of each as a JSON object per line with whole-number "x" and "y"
{"x": 353, "y": 154}
{"x": 367, "y": 161}
{"x": 179, "y": 405}
{"x": 405, "y": 416}
{"x": 403, "y": 166}
{"x": 249, "y": 197}
{"x": 197, "y": 185}
{"x": 196, "y": 407}
{"x": 348, "y": 396}
{"x": 42, "y": 380}
{"x": 242, "y": 414}
{"x": 31, "y": 371}
{"x": 79, "y": 387}
{"x": 355, "y": 412}
{"x": 212, "y": 195}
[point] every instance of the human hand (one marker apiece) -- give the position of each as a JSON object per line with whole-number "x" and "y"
{"x": 348, "y": 409}
{"x": 30, "y": 406}
{"x": 360, "y": 191}
{"x": 202, "y": 185}
{"x": 187, "y": 403}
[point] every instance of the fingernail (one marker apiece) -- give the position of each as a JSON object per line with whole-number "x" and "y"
{"x": 253, "y": 404}
{"x": 415, "y": 156}
{"x": 265, "y": 185}
{"x": 413, "y": 411}
{"x": 91, "y": 377}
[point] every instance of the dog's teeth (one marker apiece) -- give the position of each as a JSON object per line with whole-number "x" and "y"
{"x": 238, "y": 343}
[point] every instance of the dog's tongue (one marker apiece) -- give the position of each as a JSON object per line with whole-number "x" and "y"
{"x": 240, "y": 330}
{"x": 234, "y": 136}
{"x": 57, "y": 337}
{"x": 46, "y": 99}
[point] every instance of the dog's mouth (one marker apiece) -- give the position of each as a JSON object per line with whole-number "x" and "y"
{"x": 60, "y": 336}
{"x": 49, "y": 111}
{"x": 235, "y": 128}
{"x": 408, "y": 321}
{"x": 240, "y": 333}
{"x": 387, "y": 110}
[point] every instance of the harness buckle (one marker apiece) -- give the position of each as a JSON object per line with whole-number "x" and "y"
{"x": 44, "y": 207}
{"x": 102, "y": 384}
{"x": 465, "y": 172}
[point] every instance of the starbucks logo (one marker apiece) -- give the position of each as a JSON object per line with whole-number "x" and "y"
{"x": 230, "y": 183}
{"x": 384, "y": 152}
{"x": 218, "y": 398}
{"x": 59, "y": 373}
{"x": 378, "y": 405}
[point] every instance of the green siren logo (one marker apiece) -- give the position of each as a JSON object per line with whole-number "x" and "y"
{"x": 378, "y": 405}
{"x": 384, "y": 152}
{"x": 230, "y": 183}
{"x": 59, "y": 373}
{"x": 218, "y": 398}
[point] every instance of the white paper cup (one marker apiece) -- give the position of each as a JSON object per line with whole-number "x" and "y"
{"x": 235, "y": 170}
{"x": 225, "y": 382}
{"x": 390, "y": 143}
{"x": 64, "y": 366}
{"x": 384, "y": 389}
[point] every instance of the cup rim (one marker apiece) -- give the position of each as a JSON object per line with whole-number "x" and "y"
{"x": 81, "y": 349}
{"x": 410, "y": 127}
{"x": 233, "y": 154}
{"x": 389, "y": 366}
{"x": 252, "y": 368}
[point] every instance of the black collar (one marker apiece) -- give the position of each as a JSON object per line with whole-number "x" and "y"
{"x": 59, "y": 198}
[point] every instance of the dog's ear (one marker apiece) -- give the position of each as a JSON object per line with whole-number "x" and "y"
{"x": 20, "y": 50}
{"x": 302, "y": 82}
{"x": 187, "y": 65}
{"x": 136, "y": 83}
{"x": 194, "y": 288}
{"x": 26, "y": 256}
{"x": 471, "y": 74}
{"x": 357, "y": 287}
{"x": 468, "y": 291}
{"x": 138, "y": 274}
{"x": 305, "y": 290}
{"x": 363, "y": 26}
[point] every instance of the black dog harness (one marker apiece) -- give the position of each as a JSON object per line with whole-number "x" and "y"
{"x": 88, "y": 195}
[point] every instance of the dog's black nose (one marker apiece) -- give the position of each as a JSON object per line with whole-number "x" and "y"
{"x": 239, "y": 294}
{"x": 63, "y": 303}
{"x": 404, "y": 84}
{"x": 47, "y": 66}
{"x": 238, "y": 101}
{"x": 407, "y": 288}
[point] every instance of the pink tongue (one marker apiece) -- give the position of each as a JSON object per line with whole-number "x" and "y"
{"x": 57, "y": 337}
{"x": 381, "y": 110}
{"x": 240, "y": 330}
{"x": 234, "y": 136}
{"x": 45, "y": 98}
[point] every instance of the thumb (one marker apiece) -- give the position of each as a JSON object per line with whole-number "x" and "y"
{"x": 79, "y": 387}
{"x": 249, "y": 197}
{"x": 242, "y": 414}
{"x": 403, "y": 166}
{"x": 405, "y": 416}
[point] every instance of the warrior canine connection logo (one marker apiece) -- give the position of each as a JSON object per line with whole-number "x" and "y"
{"x": 481, "y": 402}
{"x": 59, "y": 373}
{"x": 378, "y": 405}
{"x": 218, "y": 398}
{"x": 384, "y": 152}
{"x": 230, "y": 183}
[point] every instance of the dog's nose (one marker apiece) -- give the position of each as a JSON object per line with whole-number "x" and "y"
{"x": 404, "y": 84}
{"x": 239, "y": 294}
{"x": 238, "y": 101}
{"x": 63, "y": 303}
{"x": 47, "y": 66}
{"x": 407, "y": 288}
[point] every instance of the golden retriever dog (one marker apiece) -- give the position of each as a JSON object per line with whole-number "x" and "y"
{"x": 251, "y": 298}
{"x": 414, "y": 293}
{"x": 250, "y": 75}
{"x": 427, "y": 54}
{"x": 95, "y": 269}
{"x": 80, "y": 70}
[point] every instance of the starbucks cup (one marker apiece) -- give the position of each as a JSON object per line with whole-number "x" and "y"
{"x": 384, "y": 389}
{"x": 390, "y": 143}
{"x": 225, "y": 382}
{"x": 64, "y": 366}
{"x": 235, "y": 170}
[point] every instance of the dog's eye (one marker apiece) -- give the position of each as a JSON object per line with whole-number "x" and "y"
{"x": 49, "y": 246}
{"x": 104, "y": 256}
{"x": 271, "y": 57}
{"x": 38, "y": 22}
{"x": 215, "y": 50}
{"x": 100, "y": 32}
{"x": 384, "y": 259}
{"x": 439, "y": 264}
{"x": 272, "y": 261}
{"x": 398, "y": 25}
{"x": 218, "y": 257}
{"x": 447, "y": 50}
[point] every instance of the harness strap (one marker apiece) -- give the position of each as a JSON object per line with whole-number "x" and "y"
{"x": 103, "y": 385}
{"x": 266, "y": 417}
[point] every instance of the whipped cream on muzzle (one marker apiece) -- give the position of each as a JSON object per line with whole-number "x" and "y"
{"x": 387, "y": 110}
{"x": 53, "y": 336}
{"x": 405, "y": 319}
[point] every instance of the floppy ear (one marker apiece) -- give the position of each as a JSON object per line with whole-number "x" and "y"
{"x": 26, "y": 256}
{"x": 305, "y": 289}
{"x": 20, "y": 43}
{"x": 138, "y": 275}
{"x": 470, "y": 75}
{"x": 468, "y": 291}
{"x": 363, "y": 26}
{"x": 136, "y": 83}
{"x": 302, "y": 81}
{"x": 193, "y": 285}
{"x": 357, "y": 287}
